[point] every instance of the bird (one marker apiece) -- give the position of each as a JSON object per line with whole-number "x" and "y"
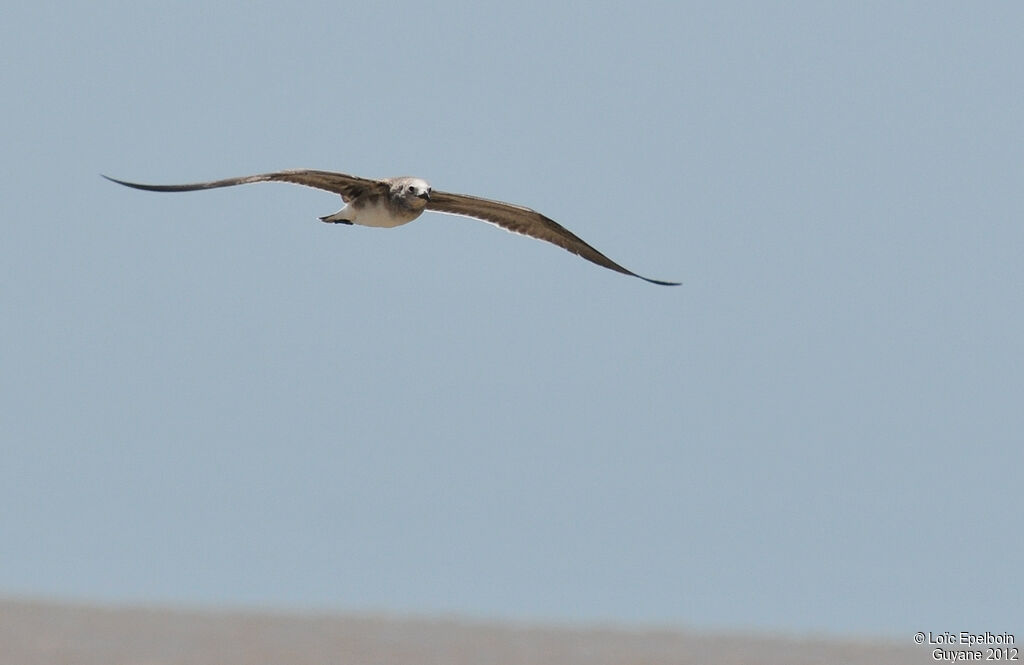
{"x": 391, "y": 202}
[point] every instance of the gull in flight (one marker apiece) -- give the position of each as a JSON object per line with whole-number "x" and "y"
{"x": 395, "y": 201}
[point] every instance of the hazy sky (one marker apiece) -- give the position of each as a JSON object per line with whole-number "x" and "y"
{"x": 212, "y": 398}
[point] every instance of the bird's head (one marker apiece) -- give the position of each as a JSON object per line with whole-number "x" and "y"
{"x": 414, "y": 193}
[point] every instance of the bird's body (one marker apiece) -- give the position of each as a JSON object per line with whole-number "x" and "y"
{"x": 375, "y": 213}
{"x": 392, "y": 202}
{"x": 404, "y": 201}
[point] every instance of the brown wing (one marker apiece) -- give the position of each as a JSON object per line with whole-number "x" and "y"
{"x": 348, "y": 186}
{"x": 526, "y": 222}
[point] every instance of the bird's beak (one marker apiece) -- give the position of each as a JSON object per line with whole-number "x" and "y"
{"x": 424, "y": 195}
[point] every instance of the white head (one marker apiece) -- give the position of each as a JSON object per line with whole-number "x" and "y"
{"x": 413, "y": 193}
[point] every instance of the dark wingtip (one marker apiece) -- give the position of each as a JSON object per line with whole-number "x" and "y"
{"x": 156, "y": 188}
{"x": 658, "y": 281}
{"x": 122, "y": 182}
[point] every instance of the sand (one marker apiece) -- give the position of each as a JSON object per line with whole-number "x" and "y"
{"x": 38, "y": 633}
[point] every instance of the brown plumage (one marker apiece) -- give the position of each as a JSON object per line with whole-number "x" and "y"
{"x": 395, "y": 201}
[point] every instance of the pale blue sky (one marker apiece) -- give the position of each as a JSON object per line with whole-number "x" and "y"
{"x": 211, "y": 398}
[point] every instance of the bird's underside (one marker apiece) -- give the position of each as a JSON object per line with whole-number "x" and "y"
{"x": 395, "y": 201}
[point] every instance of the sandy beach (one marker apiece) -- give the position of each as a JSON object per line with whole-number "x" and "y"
{"x": 45, "y": 633}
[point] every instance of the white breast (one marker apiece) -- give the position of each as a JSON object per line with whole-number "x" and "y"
{"x": 377, "y": 213}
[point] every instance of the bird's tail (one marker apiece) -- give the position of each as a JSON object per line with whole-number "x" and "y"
{"x": 340, "y": 217}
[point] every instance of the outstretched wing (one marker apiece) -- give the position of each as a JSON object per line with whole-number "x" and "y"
{"x": 348, "y": 186}
{"x": 525, "y": 221}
